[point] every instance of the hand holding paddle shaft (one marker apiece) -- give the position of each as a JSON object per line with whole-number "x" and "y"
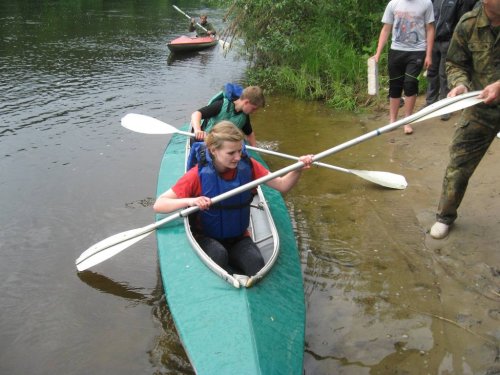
{"x": 119, "y": 242}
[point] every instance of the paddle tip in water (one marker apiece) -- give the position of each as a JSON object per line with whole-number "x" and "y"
{"x": 109, "y": 247}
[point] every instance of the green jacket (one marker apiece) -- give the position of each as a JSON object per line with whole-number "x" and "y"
{"x": 473, "y": 60}
{"x": 227, "y": 112}
{"x": 200, "y": 31}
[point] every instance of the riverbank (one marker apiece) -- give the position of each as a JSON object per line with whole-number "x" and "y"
{"x": 462, "y": 271}
{"x": 381, "y": 295}
{"x": 423, "y": 157}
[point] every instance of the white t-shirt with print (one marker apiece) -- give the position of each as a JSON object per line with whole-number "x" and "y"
{"x": 409, "y": 19}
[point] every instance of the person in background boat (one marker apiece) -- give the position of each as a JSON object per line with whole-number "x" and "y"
{"x": 472, "y": 64}
{"x": 221, "y": 231}
{"x": 411, "y": 23}
{"x": 235, "y": 106}
{"x": 199, "y": 30}
{"x": 447, "y": 13}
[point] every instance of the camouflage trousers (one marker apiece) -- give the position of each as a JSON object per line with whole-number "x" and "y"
{"x": 469, "y": 144}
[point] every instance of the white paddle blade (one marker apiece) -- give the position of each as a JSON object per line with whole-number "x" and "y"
{"x": 109, "y": 247}
{"x": 457, "y": 106}
{"x": 387, "y": 179}
{"x": 146, "y": 124}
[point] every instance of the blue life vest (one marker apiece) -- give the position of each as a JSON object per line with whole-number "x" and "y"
{"x": 231, "y": 217}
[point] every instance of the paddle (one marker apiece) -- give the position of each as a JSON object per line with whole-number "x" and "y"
{"x": 113, "y": 245}
{"x": 149, "y": 125}
{"x": 221, "y": 42}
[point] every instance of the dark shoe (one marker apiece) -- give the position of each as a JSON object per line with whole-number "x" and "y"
{"x": 446, "y": 117}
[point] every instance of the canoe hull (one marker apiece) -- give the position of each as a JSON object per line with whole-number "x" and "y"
{"x": 228, "y": 330}
{"x": 188, "y": 44}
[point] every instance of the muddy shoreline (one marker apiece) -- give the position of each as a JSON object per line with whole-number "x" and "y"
{"x": 468, "y": 260}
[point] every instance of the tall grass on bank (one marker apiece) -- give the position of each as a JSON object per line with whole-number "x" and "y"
{"x": 328, "y": 71}
{"x": 311, "y": 49}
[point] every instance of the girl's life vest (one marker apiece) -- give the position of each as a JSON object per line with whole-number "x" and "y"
{"x": 231, "y": 217}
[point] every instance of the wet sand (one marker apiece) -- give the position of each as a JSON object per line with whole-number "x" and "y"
{"x": 462, "y": 271}
{"x": 474, "y": 238}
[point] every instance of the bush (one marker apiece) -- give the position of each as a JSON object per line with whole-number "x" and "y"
{"x": 314, "y": 49}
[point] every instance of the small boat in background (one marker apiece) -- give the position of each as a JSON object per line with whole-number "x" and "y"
{"x": 187, "y": 44}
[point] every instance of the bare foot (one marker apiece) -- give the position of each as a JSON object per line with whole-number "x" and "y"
{"x": 408, "y": 129}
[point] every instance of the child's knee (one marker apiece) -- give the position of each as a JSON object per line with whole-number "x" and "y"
{"x": 411, "y": 87}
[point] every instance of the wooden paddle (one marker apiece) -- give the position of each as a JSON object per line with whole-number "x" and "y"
{"x": 113, "y": 245}
{"x": 222, "y": 43}
{"x": 149, "y": 125}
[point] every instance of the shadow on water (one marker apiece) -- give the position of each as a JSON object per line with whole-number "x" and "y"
{"x": 204, "y": 57}
{"x": 120, "y": 289}
{"x": 167, "y": 354}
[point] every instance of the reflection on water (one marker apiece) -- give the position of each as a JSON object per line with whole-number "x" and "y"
{"x": 121, "y": 289}
{"x": 174, "y": 359}
{"x": 194, "y": 59}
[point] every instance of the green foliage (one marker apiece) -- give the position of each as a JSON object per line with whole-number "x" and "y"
{"x": 313, "y": 49}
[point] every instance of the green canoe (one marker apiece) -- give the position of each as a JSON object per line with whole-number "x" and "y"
{"x": 226, "y": 326}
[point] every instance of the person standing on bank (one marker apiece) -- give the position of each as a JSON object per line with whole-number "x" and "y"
{"x": 473, "y": 63}
{"x": 447, "y": 13}
{"x": 237, "y": 111}
{"x": 222, "y": 231}
{"x": 411, "y": 23}
{"x": 199, "y": 30}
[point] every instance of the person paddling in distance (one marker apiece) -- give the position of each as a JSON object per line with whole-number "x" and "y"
{"x": 222, "y": 231}
{"x": 235, "y": 106}
{"x": 472, "y": 64}
{"x": 210, "y": 30}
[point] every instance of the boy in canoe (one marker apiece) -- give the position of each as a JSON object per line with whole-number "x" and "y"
{"x": 210, "y": 30}
{"x": 235, "y": 106}
{"x": 221, "y": 230}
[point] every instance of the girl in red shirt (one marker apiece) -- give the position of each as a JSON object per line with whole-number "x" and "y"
{"x": 225, "y": 144}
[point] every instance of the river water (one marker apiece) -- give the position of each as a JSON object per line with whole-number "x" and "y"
{"x": 71, "y": 176}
